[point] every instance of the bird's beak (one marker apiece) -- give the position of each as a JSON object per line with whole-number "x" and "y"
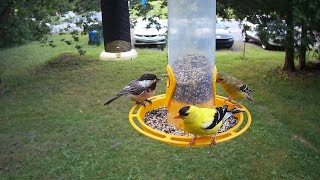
{"x": 177, "y": 117}
{"x": 219, "y": 80}
{"x": 159, "y": 80}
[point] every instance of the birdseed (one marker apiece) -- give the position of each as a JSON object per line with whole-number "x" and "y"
{"x": 193, "y": 74}
{"x": 157, "y": 119}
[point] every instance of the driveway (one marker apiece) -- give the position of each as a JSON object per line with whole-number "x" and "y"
{"x": 234, "y": 28}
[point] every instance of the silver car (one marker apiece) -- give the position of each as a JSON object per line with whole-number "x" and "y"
{"x": 146, "y": 33}
{"x": 224, "y": 38}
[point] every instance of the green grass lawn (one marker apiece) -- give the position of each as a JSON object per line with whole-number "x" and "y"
{"x": 53, "y": 124}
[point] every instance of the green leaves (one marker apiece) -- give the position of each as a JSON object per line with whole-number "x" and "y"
{"x": 304, "y": 14}
{"x": 24, "y": 21}
{"x": 80, "y": 50}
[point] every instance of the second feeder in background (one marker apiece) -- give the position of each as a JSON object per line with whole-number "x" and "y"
{"x": 116, "y": 31}
{"x": 191, "y": 46}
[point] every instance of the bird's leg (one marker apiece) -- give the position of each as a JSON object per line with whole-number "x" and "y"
{"x": 149, "y": 101}
{"x": 193, "y": 141}
{"x": 214, "y": 140}
{"x": 141, "y": 103}
{"x": 228, "y": 99}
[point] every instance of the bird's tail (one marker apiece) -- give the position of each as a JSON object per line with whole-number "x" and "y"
{"x": 235, "y": 111}
{"x": 112, "y": 99}
{"x": 247, "y": 91}
{"x": 231, "y": 112}
{"x": 249, "y": 98}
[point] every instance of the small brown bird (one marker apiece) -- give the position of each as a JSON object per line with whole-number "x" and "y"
{"x": 234, "y": 87}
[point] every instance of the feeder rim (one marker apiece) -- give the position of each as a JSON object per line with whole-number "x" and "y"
{"x": 184, "y": 140}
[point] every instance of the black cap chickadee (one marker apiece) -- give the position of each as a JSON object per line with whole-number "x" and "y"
{"x": 139, "y": 90}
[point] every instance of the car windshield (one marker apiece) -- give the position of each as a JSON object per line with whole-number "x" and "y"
{"x": 219, "y": 25}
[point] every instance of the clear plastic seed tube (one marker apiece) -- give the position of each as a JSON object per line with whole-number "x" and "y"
{"x": 191, "y": 44}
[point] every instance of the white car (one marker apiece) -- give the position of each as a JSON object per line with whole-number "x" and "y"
{"x": 146, "y": 33}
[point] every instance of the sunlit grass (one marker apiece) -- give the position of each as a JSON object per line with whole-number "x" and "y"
{"x": 54, "y": 124}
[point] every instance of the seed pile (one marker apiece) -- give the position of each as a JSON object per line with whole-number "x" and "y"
{"x": 228, "y": 124}
{"x": 193, "y": 74}
{"x": 157, "y": 119}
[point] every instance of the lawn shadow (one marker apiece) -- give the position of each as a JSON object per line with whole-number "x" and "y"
{"x": 63, "y": 62}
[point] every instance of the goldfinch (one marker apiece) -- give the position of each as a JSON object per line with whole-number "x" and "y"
{"x": 234, "y": 87}
{"x": 139, "y": 90}
{"x": 204, "y": 121}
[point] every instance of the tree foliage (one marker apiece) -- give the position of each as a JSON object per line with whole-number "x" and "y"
{"x": 26, "y": 20}
{"x": 302, "y": 22}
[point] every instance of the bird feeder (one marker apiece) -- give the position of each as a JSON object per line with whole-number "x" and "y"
{"x": 191, "y": 55}
{"x": 191, "y": 73}
{"x": 116, "y": 31}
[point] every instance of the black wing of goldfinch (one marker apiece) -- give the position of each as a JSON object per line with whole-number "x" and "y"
{"x": 133, "y": 88}
{"x": 220, "y": 112}
{"x": 246, "y": 89}
{"x": 243, "y": 87}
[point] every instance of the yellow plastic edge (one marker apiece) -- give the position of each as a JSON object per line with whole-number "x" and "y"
{"x": 171, "y": 86}
{"x": 214, "y": 92}
{"x": 182, "y": 140}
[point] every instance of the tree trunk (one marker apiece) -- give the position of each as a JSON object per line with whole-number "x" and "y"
{"x": 303, "y": 48}
{"x": 289, "y": 58}
{"x": 4, "y": 15}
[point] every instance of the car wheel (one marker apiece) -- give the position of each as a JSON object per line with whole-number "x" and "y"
{"x": 245, "y": 37}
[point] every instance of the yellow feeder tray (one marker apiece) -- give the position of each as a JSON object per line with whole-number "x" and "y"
{"x": 137, "y": 114}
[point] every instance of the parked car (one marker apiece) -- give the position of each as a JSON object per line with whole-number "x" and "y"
{"x": 250, "y": 27}
{"x": 146, "y": 33}
{"x": 224, "y": 38}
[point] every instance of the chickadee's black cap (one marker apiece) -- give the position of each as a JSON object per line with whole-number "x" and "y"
{"x": 148, "y": 77}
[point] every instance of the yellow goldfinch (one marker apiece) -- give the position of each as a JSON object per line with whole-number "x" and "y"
{"x": 234, "y": 87}
{"x": 204, "y": 121}
{"x": 139, "y": 90}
